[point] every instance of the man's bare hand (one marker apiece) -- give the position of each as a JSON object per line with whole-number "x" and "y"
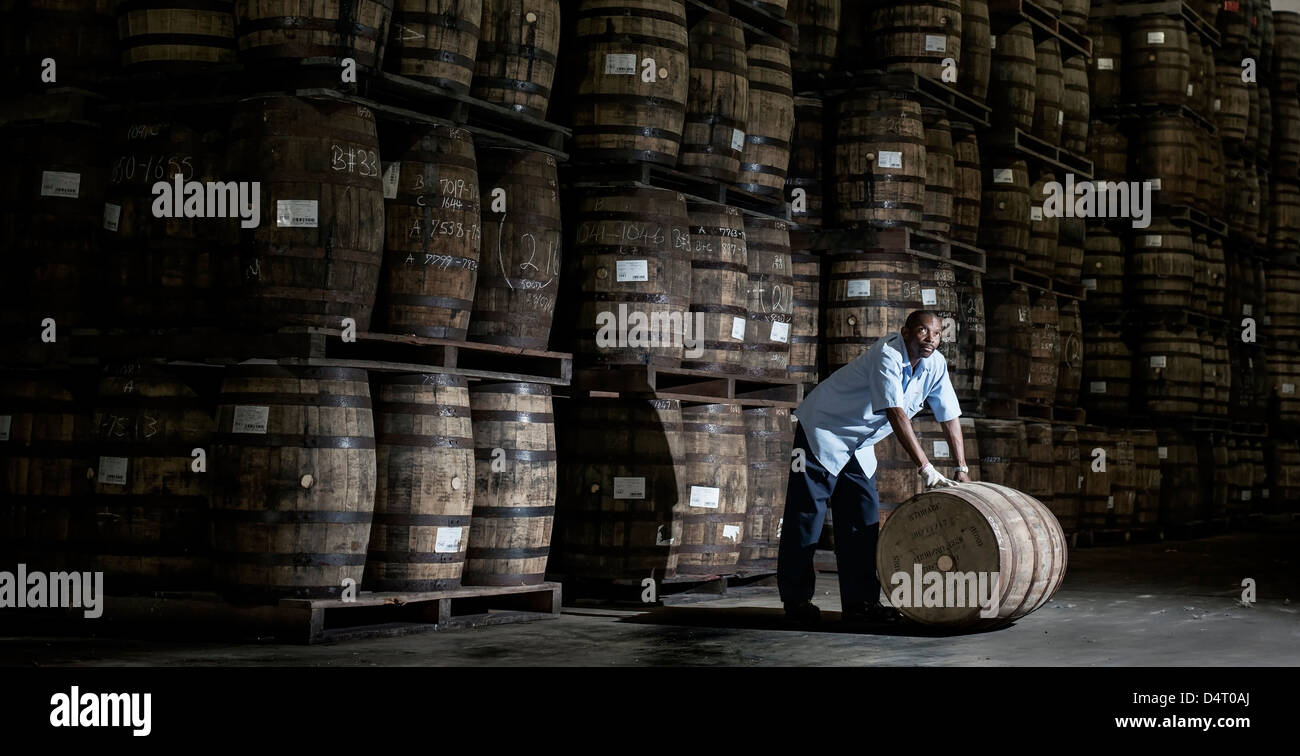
{"x": 961, "y": 477}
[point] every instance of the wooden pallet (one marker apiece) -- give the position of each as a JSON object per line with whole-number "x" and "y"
{"x": 682, "y": 384}
{"x": 1008, "y": 273}
{"x": 1013, "y": 409}
{"x": 900, "y": 239}
{"x": 1174, "y": 8}
{"x": 1017, "y": 142}
{"x": 324, "y": 347}
{"x": 670, "y": 591}
{"x": 693, "y": 187}
{"x": 1072, "y": 40}
{"x": 1139, "y": 110}
{"x": 962, "y": 109}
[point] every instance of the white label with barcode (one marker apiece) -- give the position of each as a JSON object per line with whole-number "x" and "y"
{"x": 1105, "y": 64}
{"x": 1158, "y": 361}
{"x": 1004, "y": 176}
{"x": 1155, "y": 38}
{"x": 929, "y": 296}
{"x": 781, "y": 332}
{"x": 60, "y": 184}
{"x": 621, "y": 64}
{"x": 1288, "y": 388}
{"x": 936, "y": 43}
{"x": 1218, "y": 104}
{"x": 1246, "y": 309}
{"x": 1245, "y": 495}
{"x": 296, "y": 213}
{"x": 392, "y": 175}
{"x": 737, "y": 139}
{"x": 629, "y": 488}
{"x": 941, "y": 449}
{"x": 1190, "y": 89}
{"x": 1162, "y": 452}
{"x": 1097, "y": 387}
{"x": 705, "y": 496}
{"x": 1036, "y": 213}
{"x": 112, "y": 471}
{"x": 632, "y": 270}
{"x": 5, "y": 422}
{"x": 1153, "y": 240}
{"x": 859, "y": 288}
{"x": 890, "y": 159}
{"x": 1155, "y": 183}
{"x": 1060, "y": 117}
{"x": 1110, "y": 502}
{"x": 250, "y": 420}
{"x": 112, "y": 216}
{"x": 731, "y": 532}
{"x": 738, "y": 328}
{"x": 1023, "y": 313}
{"x": 1090, "y": 283}
{"x": 993, "y": 41}
{"x": 447, "y": 541}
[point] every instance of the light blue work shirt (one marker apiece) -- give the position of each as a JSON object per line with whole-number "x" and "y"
{"x": 845, "y": 414}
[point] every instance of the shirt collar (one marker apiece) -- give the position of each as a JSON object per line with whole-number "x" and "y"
{"x": 896, "y": 341}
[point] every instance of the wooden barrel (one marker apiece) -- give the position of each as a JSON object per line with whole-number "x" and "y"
{"x": 1107, "y": 369}
{"x": 1044, "y": 228}
{"x": 1204, "y": 167}
{"x": 1284, "y": 472}
{"x": 868, "y": 297}
{"x": 1106, "y": 74}
{"x": 435, "y": 42}
{"x": 274, "y": 31}
{"x": 940, "y": 173}
{"x": 1212, "y": 454}
{"x": 147, "y": 527}
{"x": 967, "y": 187}
{"x": 968, "y": 377}
{"x": 1286, "y": 137}
{"x": 633, "y": 250}
{"x": 79, "y": 34}
{"x": 1107, "y": 492}
{"x": 1196, "y": 77}
{"x": 719, "y": 286}
{"x": 804, "y": 182}
{"x": 1070, "y": 355}
{"x": 880, "y": 161}
{"x": 1108, "y": 151}
{"x": 1284, "y": 217}
{"x": 425, "y": 494}
{"x": 517, "y": 47}
{"x": 1286, "y": 45}
{"x": 1074, "y": 13}
{"x": 1067, "y": 476}
{"x": 1010, "y": 342}
{"x": 1104, "y": 258}
{"x": 769, "y": 442}
{"x": 716, "y": 471}
{"x": 1040, "y": 459}
{"x": 766, "y": 156}
{"x": 1167, "y": 370}
{"x": 1145, "y": 481}
{"x": 1214, "y": 375}
{"x": 804, "y": 341}
{"x": 1013, "y": 78}
{"x": 1076, "y": 105}
{"x": 1234, "y": 25}
{"x": 1182, "y": 499}
{"x": 1050, "y": 94}
{"x": 717, "y": 103}
{"x": 47, "y": 468}
{"x": 766, "y": 351}
{"x": 1251, "y": 142}
{"x": 1045, "y": 356}
{"x": 1216, "y": 188}
{"x": 896, "y": 478}
{"x": 1216, "y": 276}
{"x": 1264, "y": 144}
{"x": 514, "y": 483}
{"x": 519, "y": 272}
{"x": 622, "y": 488}
{"x": 976, "y": 52}
{"x": 315, "y": 258}
{"x": 1282, "y": 302}
{"x": 819, "y": 31}
{"x": 1014, "y": 536}
{"x": 1232, "y": 103}
{"x": 916, "y": 35}
{"x": 175, "y": 33}
{"x": 631, "y": 101}
{"x": 1241, "y": 205}
{"x": 1068, "y": 260}
{"x": 294, "y": 480}
{"x": 934, "y": 442}
{"x": 1157, "y": 64}
{"x": 1005, "y": 218}
{"x": 1284, "y": 377}
{"x": 938, "y": 281}
{"x": 163, "y": 269}
{"x": 1166, "y": 153}
{"x": 1161, "y": 266}
{"x": 432, "y": 234}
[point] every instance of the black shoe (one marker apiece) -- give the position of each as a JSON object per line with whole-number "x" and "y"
{"x": 805, "y": 611}
{"x": 873, "y": 613}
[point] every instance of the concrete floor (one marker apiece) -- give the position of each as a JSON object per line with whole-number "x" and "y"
{"x": 1174, "y": 603}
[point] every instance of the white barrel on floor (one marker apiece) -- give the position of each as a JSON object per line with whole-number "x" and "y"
{"x": 964, "y": 535}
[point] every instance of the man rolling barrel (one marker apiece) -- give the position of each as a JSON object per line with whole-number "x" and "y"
{"x": 839, "y": 423}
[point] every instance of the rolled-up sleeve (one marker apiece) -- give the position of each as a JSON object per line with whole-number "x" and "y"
{"x": 942, "y": 398}
{"x": 885, "y": 378}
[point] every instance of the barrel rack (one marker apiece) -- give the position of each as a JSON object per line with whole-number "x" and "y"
{"x": 930, "y": 93}
{"x": 1006, "y": 12}
{"x": 1174, "y": 8}
{"x": 655, "y": 176}
{"x": 755, "y": 17}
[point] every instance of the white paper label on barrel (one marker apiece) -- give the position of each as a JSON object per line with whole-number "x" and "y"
{"x": 1110, "y": 502}
{"x": 295, "y": 213}
{"x": 1155, "y": 38}
{"x": 392, "y": 175}
{"x": 1004, "y": 176}
{"x": 1023, "y": 314}
{"x": 1155, "y": 183}
{"x": 632, "y": 270}
{"x": 738, "y": 328}
{"x": 1080, "y": 483}
{"x": 112, "y": 471}
{"x": 60, "y": 184}
{"x": 1090, "y": 283}
{"x": 1217, "y": 104}
{"x": 1190, "y": 88}
{"x": 929, "y": 296}
{"x": 1060, "y": 117}
{"x": 448, "y": 541}
{"x": 621, "y": 64}
{"x": 112, "y": 216}
{"x": 1288, "y": 388}
{"x": 1246, "y": 309}
{"x": 859, "y": 288}
{"x": 993, "y": 41}
{"x": 737, "y": 139}
{"x": 781, "y": 332}
{"x": 250, "y": 420}
{"x": 1264, "y": 493}
{"x": 1097, "y": 387}
{"x": 941, "y": 450}
{"x": 5, "y": 422}
{"x": 629, "y": 488}
{"x": 1162, "y": 452}
{"x": 936, "y": 43}
{"x": 1245, "y": 495}
{"x": 1036, "y": 213}
{"x": 889, "y": 159}
{"x": 1158, "y": 361}
{"x": 1105, "y": 64}
{"x": 779, "y": 523}
{"x": 1153, "y": 240}
{"x": 731, "y": 532}
{"x": 705, "y": 496}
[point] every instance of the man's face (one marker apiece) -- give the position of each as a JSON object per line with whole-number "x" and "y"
{"x": 924, "y": 339}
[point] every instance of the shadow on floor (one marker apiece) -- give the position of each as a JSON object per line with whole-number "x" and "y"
{"x": 758, "y": 618}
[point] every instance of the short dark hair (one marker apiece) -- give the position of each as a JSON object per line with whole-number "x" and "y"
{"x": 914, "y": 319}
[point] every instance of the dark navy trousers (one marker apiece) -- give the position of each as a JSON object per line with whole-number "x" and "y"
{"x": 852, "y": 497}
